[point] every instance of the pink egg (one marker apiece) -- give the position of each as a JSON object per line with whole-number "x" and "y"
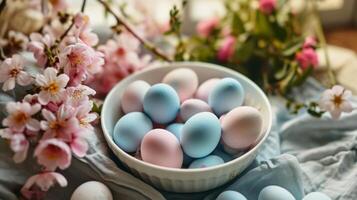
{"x": 184, "y": 81}
{"x": 160, "y": 147}
{"x": 191, "y": 107}
{"x": 241, "y": 128}
{"x": 133, "y": 96}
{"x": 205, "y": 88}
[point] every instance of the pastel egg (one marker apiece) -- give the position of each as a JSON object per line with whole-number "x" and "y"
{"x": 162, "y": 148}
{"x": 191, "y": 107}
{"x": 316, "y": 196}
{"x": 161, "y": 103}
{"x": 274, "y": 192}
{"x": 200, "y": 134}
{"x": 209, "y": 161}
{"x": 133, "y": 96}
{"x": 205, "y": 88}
{"x": 184, "y": 81}
{"x": 225, "y": 156}
{"x": 227, "y": 94}
{"x": 92, "y": 190}
{"x": 130, "y": 129}
{"x": 176, "y": 129}
{"x": 241, "y": 127}
{"x": 231, "y": 195}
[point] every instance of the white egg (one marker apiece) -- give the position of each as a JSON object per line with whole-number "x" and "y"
{"x": 92, "y": 190}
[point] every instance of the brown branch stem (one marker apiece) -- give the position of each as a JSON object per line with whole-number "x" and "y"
{"x": 147, "y": 44}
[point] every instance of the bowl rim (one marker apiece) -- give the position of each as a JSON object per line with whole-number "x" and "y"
{"x": 112, "y": 145}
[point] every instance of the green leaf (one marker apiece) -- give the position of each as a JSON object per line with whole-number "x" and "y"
{"x": 292, "y": 47}
{"x": 263, "y": 25}
{"x": 244, "y": 51}
{"x": 237, "y": 24}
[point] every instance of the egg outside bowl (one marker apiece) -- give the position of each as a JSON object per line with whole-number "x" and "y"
{"x": 185, "y": 180}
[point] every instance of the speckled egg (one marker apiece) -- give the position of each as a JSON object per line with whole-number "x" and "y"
{"x": 227, "y": 94}
{"x": 274, "y": 192}
{"x": 160, "y": 147}
{"x": 130, "y": 129}
{"x": 209, "y": 161}
{"x": 231, "y": 195}
{"x": 184, "y": 81}
{"x": 191, "y": 107}
{"x": 92, "y": 190}
{"x": 205, "y": 88}
{"x": 133, "y": 96}
{"x": 241, "y": 127}
{"x": 200, "y": 135}
{"x": 161, "y": 103}
{"x": 316, "y": 196}
{"x": 176, "y": 129}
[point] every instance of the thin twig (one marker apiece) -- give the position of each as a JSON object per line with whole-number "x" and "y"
{"x": 2, "y": 5}
{"x": 72, "y": 23}
{"x": 83, "y": 5}
{"x": 145, "y": 42}
{"x": 321, "y": 37}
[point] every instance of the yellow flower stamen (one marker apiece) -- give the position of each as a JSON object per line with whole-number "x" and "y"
{"x": 14, "y": 72}
{"x": 53, "y": 88}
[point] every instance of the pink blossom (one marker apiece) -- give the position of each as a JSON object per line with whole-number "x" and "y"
{"x": 61, "y": 124}
{"x": 79, "y": 144}
{"x": 310, "y": 42}
{"x": 205, "y": 27}
{"x": 53, "y": 153}
{"x": 85, "y": 117}
{"x": 267, "y": 6}
{"x": 52, "y": 86}
{"x": 83, "y": 31}
{"x": 121, "y": 60}
{"x": 38, "y": 45}
{"x": 43, "y": 181}
{"x": 59, "y": 5}
{"x": 79, "y": 61}
{"x": 78, "y": 95}
{"x": 336, "y": 100}
{"x": 20, "y": 116}
{"x": 11, "y": 71}
{"x": 226, "y": 50}
{"x": 307, "y": 58}
{"x": 20, "y": 145}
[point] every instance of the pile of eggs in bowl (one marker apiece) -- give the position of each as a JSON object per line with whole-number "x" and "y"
{"x": 180, "y": 124}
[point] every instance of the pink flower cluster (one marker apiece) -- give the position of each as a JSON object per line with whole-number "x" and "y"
{"x": 121, "y": 59}
{"x": 307, "y": 57}
{"x": 56, "y": 117}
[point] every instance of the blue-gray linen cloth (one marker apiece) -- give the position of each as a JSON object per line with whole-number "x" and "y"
{"x": 302, "y": 154}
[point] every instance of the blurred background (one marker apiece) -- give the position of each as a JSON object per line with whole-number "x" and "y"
{"x": 339, "y": 19}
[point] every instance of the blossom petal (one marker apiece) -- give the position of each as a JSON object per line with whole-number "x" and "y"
{"x": 50, "y": 73}
{"x": 33, "y": 125}
{"x": 23, "y": 78}
{"x": 79, "y": 147}
{"x": 9, "y": 84}
{"x": 44, "y": 97}
{"x": 62, "y": 80}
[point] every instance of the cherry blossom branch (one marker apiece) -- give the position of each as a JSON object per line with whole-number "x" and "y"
{"x": 145, "y": 42}
{"x": 72, "y": 24}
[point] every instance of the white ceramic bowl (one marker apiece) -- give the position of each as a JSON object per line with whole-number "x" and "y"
{"x": 185, "y": 180}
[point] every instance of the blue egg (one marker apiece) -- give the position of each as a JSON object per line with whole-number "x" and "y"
{"x": 227, "y": 94}
{"x": 221, "y": 153}
{"x": 130, "y": 130}
{"x": 209, "y": 161}
{"x": 231, "y": 195}
{"x": 200, "y": 135}
{"x": 161, "y": 103}
{"x": 274, "y": 192}
{"x": 316, "y": 196}
{"x": 176, "y": 129}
